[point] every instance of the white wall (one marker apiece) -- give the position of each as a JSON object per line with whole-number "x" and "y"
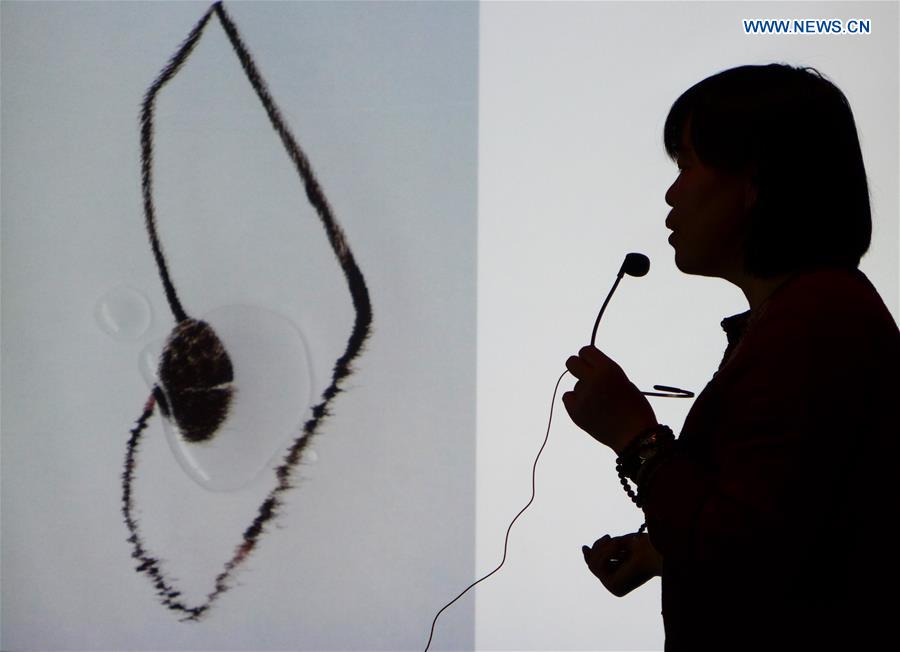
{"x": 572, "y": 173}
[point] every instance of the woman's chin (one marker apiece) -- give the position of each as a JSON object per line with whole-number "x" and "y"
{"x": 690, "y": 265}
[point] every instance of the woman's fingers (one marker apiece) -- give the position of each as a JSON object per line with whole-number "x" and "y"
{"x": 612, "y": 561}
{"x": 594, "y": 356}
{"x": 589, "y": 362}
{"x": 604, "y": 403}
{"x": 606, "y": 552}
{"x": 577, "y": 367}
{"x": 603, "y": 544}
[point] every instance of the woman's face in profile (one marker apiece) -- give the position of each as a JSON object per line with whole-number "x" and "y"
{"x": 708, "y": 210}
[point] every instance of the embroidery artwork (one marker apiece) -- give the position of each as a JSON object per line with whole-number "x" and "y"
{"x": 196, "y": 380}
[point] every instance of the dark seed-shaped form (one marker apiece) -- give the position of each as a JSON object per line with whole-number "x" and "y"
{"x": 196, "y": 374}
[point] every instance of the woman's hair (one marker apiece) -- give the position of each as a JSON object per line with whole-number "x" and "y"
{"x": 794, "y": 131}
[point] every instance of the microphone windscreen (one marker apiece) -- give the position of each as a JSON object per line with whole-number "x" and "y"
{"x": 636, "y": 264}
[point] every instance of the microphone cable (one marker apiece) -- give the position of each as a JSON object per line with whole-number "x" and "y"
{"x": 509, "y": 529}
{"x": 634, "y": 265}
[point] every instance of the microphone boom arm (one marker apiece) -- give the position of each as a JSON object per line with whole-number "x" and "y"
{"x": 638, "y": 265}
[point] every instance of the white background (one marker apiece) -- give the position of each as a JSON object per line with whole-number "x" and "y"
{"x": 572, "y": 174}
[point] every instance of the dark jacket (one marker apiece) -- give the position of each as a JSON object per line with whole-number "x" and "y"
{"x": 772, "y": 513}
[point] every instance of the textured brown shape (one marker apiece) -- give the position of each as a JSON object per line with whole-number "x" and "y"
{"x": 195, "y": 373}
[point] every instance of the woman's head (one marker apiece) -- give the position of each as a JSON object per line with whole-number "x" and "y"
{"x": 787, "y": 140}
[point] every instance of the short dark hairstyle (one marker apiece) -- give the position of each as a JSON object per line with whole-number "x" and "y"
{"x": 794, "y": 131}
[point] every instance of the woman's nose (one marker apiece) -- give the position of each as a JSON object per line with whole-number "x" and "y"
{"x": 670, "y": 193}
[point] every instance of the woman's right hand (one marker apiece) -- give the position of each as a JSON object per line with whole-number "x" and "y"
{"x": 623, "y": 563}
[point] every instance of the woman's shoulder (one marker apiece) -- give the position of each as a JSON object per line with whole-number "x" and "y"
{"x": 828, "y": 318}
{"x": 818, "y": 328}
{"x": 833, "y": 298}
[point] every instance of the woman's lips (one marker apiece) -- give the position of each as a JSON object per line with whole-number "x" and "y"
{"x": 671, "y": 237}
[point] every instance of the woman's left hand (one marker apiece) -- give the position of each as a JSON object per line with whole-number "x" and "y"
{"x": 604, "y": 403}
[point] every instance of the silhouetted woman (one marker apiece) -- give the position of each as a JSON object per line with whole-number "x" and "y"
{"x": 768, "y": 518}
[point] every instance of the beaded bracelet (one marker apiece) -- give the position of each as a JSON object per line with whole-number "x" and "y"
{"x": 635, "y": 457}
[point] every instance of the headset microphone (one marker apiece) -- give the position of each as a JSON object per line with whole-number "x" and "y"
{"x": 634, "y": 265}
{"x": 638, "y": 265}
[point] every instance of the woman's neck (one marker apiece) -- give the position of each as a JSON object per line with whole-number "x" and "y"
{"x": 758, "y": 290}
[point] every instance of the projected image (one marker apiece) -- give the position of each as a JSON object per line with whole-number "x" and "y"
{"x": 196, "y": 378}
{"x": 239, "y": 253}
